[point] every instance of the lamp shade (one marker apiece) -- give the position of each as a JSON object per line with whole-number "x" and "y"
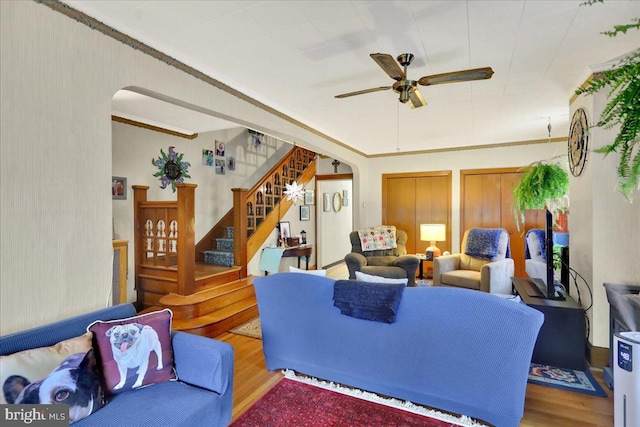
{"x": 433, "y": 232}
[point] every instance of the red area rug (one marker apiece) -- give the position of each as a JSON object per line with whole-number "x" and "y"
{"x": 291, "y": 403}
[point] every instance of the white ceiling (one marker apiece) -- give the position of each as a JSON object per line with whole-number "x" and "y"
{"x": 296, "y": 55}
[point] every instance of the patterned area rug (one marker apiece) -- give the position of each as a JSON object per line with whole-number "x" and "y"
{"x": 566, "y": 379}
{"x": 297, "y": 401}
{"x": 250, "y": 329}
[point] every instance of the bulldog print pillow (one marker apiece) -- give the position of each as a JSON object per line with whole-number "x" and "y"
{"x": 135, "y": 352}
{"x": 65, "y": 373}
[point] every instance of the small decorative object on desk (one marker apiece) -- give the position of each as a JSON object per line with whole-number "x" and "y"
{"x": 293, "y": 241}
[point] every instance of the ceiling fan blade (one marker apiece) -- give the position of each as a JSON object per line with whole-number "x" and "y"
{"x": 416, "y": 100}
{"x": 389, "y": 65}
{"x": 360, "y": 92}
{"x": 457, "y": 76}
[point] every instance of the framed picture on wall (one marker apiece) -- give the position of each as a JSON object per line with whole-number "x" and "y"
{"x": 305, "y": 213}
{"x": 119, "y": 187}
{"x": 309, "y": 197}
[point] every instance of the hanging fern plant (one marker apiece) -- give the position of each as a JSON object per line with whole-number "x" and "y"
{"x": 623, "y": 110}
{"x": 538, "y": 185}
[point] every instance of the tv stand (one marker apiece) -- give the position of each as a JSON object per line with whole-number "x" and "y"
{"x": 541, "y": 291}
{"x": 561, "y": 341}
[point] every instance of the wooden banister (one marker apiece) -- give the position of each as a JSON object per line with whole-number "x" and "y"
{"x": 240, "y": 229}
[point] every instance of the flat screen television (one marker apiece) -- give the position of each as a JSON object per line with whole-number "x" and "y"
{"x": 548, "y": 290}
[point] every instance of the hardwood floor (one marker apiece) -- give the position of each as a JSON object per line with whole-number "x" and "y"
{"x": 544, "y": 406}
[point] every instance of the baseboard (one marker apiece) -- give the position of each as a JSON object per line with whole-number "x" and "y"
{"x": 598, "y": 357}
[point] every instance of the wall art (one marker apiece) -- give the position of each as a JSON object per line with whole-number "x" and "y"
{"x": 305, "y": 213}
{"x": 172, "y": 170}
{"x": 309, "y": 197}
{"x": 119, "y": 187}
{"x": 220, "y": 165}
{"x": 231, "y": 163}
{"x": 220, "y": 148}
{"x": 207, "y": 157}
{"x": 326, "y": 202}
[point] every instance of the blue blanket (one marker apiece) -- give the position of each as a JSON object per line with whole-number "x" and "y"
{"x": 541, "y": 238}
{"x": 484, "y": 243}
{"x": 369, "y": 301}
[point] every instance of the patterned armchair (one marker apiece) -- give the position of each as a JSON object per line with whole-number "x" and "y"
{"x": 391, "y": 263}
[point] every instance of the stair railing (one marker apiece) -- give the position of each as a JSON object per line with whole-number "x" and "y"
{"x": 258, "y": 210}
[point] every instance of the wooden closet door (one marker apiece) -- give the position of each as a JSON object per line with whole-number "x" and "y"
{"x": 400, "y": 207}
{"x": 432, "y": 207}
{"x": 414, "y": 198}
{"x": 487, "y": 201}
{"x": 481, "y": 204}
{"x": 508, "y": 222}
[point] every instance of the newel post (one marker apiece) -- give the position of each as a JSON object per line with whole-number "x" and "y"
{"x": 186, "y": 239}
{"x": 240, "y": 229}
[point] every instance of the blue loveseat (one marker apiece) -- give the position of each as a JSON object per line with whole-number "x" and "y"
{"x": 457, "y": 350}
{"x": 202, "y": 396}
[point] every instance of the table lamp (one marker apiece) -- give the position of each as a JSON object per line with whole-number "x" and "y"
{"x": 433, "y": 233}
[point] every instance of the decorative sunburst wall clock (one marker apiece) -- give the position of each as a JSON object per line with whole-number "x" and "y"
{"x": 172, "y": 169}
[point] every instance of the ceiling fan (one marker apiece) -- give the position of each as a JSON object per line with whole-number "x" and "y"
{"x": 408, "y": 89}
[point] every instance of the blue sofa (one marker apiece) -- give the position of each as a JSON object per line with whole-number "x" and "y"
{"x": 201, "y": 397}
{"x": 457, "y": 350}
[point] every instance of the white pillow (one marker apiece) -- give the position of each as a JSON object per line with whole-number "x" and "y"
{"x": 363, "y": 277}
{"x": 312, "y": 272}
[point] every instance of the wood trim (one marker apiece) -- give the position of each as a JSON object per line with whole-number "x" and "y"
{"x": 121, "y": 246}
{"x": 598, "y": 357}
{"x": 574, "y": 97}
{"x": 466, "y": 148}
{"x": 240, "y": 229}
{"x": 334, "y": 177}
{"x": 152, "y": 127}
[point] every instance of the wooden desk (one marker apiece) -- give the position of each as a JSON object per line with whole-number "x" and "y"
{"x": 298, "y": 252}
{"x": 561, "y": 341}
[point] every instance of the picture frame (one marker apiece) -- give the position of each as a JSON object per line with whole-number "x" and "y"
{"x": 345, "y": 202}
{"x": 207, "y": 157}
{"x": 220, "y": 165}
{"x": 231, "y": 163}
{"x": 309, "y": 197}
{"x": 220, "y": 148}
{"x": 285, "y": 229}
{"x": 119, "y": 188}
{"x": 345, "y": 194}
{"x": 326, "y": 202}
{"x": 305, "y": 213}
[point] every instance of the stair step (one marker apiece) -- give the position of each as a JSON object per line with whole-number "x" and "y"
{"x": 229, "y": 233}
{"x": 205, "y": 281}
{"x": 224, "y": 244}
{"x": 218, "y": 258}
{"x": 220, "y": 321}
{"x": 208, "y": 300}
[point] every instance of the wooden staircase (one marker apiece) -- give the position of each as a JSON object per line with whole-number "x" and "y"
{"x": 215, "y": 309}
{"x": 210, "y": 299}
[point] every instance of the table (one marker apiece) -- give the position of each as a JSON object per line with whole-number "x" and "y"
{"x": 423, "y": 260}
{"x": 561, "y": 341}
{"x": 298, "y": 252}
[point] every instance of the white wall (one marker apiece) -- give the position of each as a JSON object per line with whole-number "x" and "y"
{"x": 334, "y": 226}
{"x": 604, "y": 227}
{"x": 455, "y": 161}
{"x": 135, "y": 147}
{"x": 58, "y": 77}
